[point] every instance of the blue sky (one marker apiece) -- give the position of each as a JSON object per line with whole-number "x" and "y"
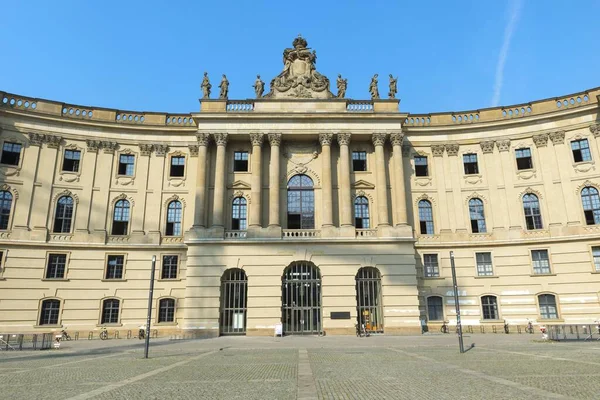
{"x": 150, "y": 55}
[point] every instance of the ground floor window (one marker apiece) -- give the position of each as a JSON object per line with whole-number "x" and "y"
{"x": 435, "y": 308}
{"x": 489, "y": 307}
{"x": 166, "y": 310}
{"x": 110, "y": 311}
{"x": 50, "y": 311}
{"x": 548, "y": 308}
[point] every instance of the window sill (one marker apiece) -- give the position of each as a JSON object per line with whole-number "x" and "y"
{"x": 166, "y": 323}
{"x": 54, "y": 326}
{"x": 169, "y": 279}
{"x": 536, "y": 275}
{"x": 55, "y": 279}
{"x": 362, "y": 172}
{"x": 125, "y": 176}
{"x": 9, "y": 165}
{"x": 113, "y": 280}
{"x": 491, "y": 321}
{"x": 593, "y": 272}
{"x": 433, "y": 278}
{"x": 486, "y": 277}
{"x": 117, "y": 325}
{"x": 546, "y": 321}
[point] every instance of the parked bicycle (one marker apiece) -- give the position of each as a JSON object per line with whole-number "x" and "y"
{"x": 142, "y": 332}
{"x": 360, "y": 330}
{"x": 65, "y": 335}
{"x": 103, "y": 333}
{"x": 444, "y": 327}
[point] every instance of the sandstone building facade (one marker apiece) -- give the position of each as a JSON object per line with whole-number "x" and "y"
{"x": 316, "y": 213}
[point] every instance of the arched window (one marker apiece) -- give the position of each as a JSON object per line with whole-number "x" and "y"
{"x": 232, "y": 320}
{"x": 166, "y": 310}
{"x": 425, "y": 217}
{"x": 591, "y": 205}
{"x": 435, "y": 308}
{"x": 489, "y": 307}
{"x": 110, "y": 311}
{"x": 548, "y": 308}
{"x": 121, "y": 218}
{"x": 239, "y": 214}
{"x": 50, "y": 312}
{"x": 368, "y": 299}
{"x": 301, "y": 203}
{"x": 173, "y": 219}
{"x": 301, "y": 298}
{"x": 64, "y": 215}
{"x": 5, "y": 207}
{"x": 361, "y": 213}
{"x": 531, "y": 208}
{"x": 477, "y": 216}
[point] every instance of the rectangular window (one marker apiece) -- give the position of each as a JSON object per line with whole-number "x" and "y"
{"x": 240, "y": 161}
{"x": 126, "y": 164}
{"x": 114, "y": 267}
{"x": 541, "y": 262}
{"x": 484, "y": 264}
{"x": 421, "y": 166}
{"x": 11, "y": 153}
{"x": 56, "y": 266}
{"x": 489, "y": 305}
{"x": 1, "y": 263}
{"x": 430, "y": 264}
{"x": 470, "y": 164}
{"x": 581, "y": 150}
{"x": 523, "y": 159}
{"x": 71, "y": 161}
{"x": 596, "y": 255}
{"x": 177, "y": 166}
{"x": 359, "y": 160}
{"x": 169, "y": 267}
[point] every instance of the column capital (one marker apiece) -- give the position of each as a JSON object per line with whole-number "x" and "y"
{"x": 161, "y": 149}
{"x": 93, "y": 145}
{"x": 487, "y": 146}
{"x": 203, "y": 139}
{"x": 256, "y": 138}
{"x": 558, "y": 137}
{"x": 343, "y": 138}
{"x": 109, "y": 147}
{"x": 325, "y": 139}
{"x": 193, "y": 150}
{"x": 595, "y": 129}
{"x": 397, "y": 138}
{"x": 379, "y": 138}
{"x": 275, "y": 139}
{"x": 36, "y": 139}
{"x": 503, "y": 145}
{"x": 540, "y": 140}
{"x": 146, "y": 149}
{"x": 452, "y": 149}
{"x": 437, "y": 150}
{"x": 220, "y": 138}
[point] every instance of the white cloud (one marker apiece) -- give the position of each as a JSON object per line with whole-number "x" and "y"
{"x": 515, "y": 12}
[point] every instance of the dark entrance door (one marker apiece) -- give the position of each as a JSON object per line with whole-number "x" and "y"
{"x": 301, "y": 299}
{"x": 232, "y": 320}
{"x": 368, "y": 299}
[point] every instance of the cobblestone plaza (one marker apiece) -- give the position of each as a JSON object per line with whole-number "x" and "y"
{"x": 498, "y": 366}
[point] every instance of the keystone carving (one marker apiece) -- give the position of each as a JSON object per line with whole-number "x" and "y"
{"x": 487, "y": 146}
{"x": 557, "y": 137}
{"x": 257, "y": 139}
{"x": 452, "y": 149}
{"x": 145, "y": 149}
{"x": 220, "y": 139}
{"x": 203, "y": 139}
{"x": 503, "y": 145}
{"x": 275, "y": 139}
{"x": 396, "y": 138}
{"x": 343, "y": 139}
{"x": 325, "y": 139}
{"x": 540, "y": 140}
{"x": 379, "y": 138}
{"x": 437, "y": 150}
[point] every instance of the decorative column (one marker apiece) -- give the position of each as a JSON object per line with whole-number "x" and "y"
{"x": 344, "y": 191}
{"x": 201, "y": 150}
{"x": 220, "y": 172}
{"x": 401, "y": 218}
{"x": 382, "y": 201}
{"x": 256, "y": 182}
{"x": 275, "y": 142}
{"x": 325, "y": 140}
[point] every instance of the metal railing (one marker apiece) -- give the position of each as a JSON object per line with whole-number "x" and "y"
{"x": 574, "y": 332}
{"x": 20, "y": 341}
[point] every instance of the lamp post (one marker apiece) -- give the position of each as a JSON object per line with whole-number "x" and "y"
{"x": 456, "y": 305}
{"x": 148, "y": 319}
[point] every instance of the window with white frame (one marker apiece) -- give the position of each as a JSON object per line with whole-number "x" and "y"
{"x": 484, "y": 264}
{"x": 431, "y": 268}
{"x": 489, "y": 307}
{"x": 57, "y": 265}
{"x": 114, "y": 267}
{"x": 477, "y": 216}
{"x": 596, "y": 256}
{"x": 581, "y": 150}
{"x": 548, "y": 309}
{"x": 169, "y": 267}
{"x": 541, "y": 262}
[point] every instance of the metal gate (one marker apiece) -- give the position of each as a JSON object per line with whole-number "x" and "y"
{"x": 301, "y": 299}
{"x": 368, "y": 299}
{"x": 232, "y": 320}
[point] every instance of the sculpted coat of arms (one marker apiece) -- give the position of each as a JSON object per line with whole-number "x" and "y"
{"x": 299, "y": 78}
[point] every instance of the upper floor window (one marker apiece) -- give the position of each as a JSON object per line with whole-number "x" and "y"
{"x": 547, "y": 303}
{"x": 11, "y": 153}
{"x": 435, "y": 308}
{"x": 169, "y": 267}
{"x": 301, "y": 203}
{"x": 477, "y": 216}
{"x": 5, "y": 207}
{"x": 240, "y": 161}
{"x": 489, "y": 307}
{"x": 57, "y": 264}
{"x": 421, "y": 168}
{"x": 174, "y": 219}
{"x": 110, "y": 311}
{"x": 531, "y": 208}
{"x": 63, "y": 215}
{"x": 126, "y": 164}
{"x": 541, "y": 262}
{"x": 361, "y": 213}
{"x": 114, "y": 267}
{"x": 591, "y": 205}
{"x": 431, "y": 268}
{"x": 50, "y": 312}
{"x": 121, "y": 218}
{"x": 425, "y": 217}
{"x": 239, "y": 214}
{"x": 71, "y": 161}
{"x": 581, "y": 150}
{"x": 484, "y": 264}
{"x": 596, "y": 256}
{"x": 166, "y": 310}
{"x": 470, "y": 164}
{"x": 177, "y": 166}
{"x": 523, "y": 159}
{"x": 359, "y": 160}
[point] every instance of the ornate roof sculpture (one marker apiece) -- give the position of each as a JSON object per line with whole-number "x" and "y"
{"x": 299, "y": 78}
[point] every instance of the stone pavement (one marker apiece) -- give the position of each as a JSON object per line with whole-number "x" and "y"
{"x": 379, "y": 367}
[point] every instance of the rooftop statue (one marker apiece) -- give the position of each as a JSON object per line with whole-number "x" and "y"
{"x": 299, "y": 78}
{"x": 393, "y": 87}
{"x": 342, "y": 84}
{"x": 224, "y": 86}
{"x": 259, "y": 87}
{"x": 373, "y": 89}
{"x": 205, "y": 86}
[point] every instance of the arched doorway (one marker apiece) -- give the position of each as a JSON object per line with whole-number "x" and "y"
{"x": 301, "y": 299}
{"x": 368, "y": 299}
{"x": 232, "y": 318}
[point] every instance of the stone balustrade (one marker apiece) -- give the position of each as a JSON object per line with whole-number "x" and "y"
{"x": 363, "y": 233}
{"x": 240, "y": 106}
{"x": 236, "y": 234}
{"x": 301, "y": 233}
{"x": 359, "y": 106}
